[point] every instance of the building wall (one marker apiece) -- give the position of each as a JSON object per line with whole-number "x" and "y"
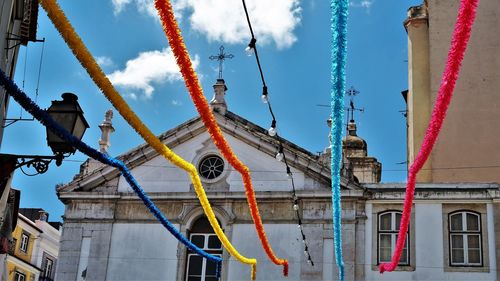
{"x": 21, "y": 261}
{"x": 430, "y": 239}
{"x": 8, "y": 58}
{"x": 468, "y": 137}
{"x": 47, "y": 246}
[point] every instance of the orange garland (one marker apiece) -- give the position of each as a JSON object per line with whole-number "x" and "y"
{"x": 176, "y": 42}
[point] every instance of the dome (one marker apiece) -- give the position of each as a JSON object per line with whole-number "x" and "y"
{"x": 352, "y": 145}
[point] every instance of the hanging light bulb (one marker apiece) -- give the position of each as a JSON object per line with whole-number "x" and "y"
{"x": 289, "y": 174}
{"x": 309, "y": 262}
{"x": 272, "y": 131}
{"x": 250, "y": 49}
{"x": 264, "y": 97}
{"x": 304, "y": 242}
{"x": 299, "y": 226}
{"x": 306, "y": 253}
{"x": 295, "y": 207}
{"x": 279, "y": 156}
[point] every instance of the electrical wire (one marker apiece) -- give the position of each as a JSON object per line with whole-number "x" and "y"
{"x": 281, "y": 156}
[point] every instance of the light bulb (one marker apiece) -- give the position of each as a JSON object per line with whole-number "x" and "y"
{"x": 264, "y": 98}
{"x": 304, "y": 242}
{"x": 309, "y": 262}
{"x": 299, "y": 226}
{"x": 272, "y": 131}
{"x": 306, "y": 253}
{"x": 295, "y": 207}
{"x": 249, "y": 51}
{"x": 279, "y": 156}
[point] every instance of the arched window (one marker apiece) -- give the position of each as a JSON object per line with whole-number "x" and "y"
{"x": 388, "y": 229}
{"x": 465, "y": 238}
{"x": 203, "y": 236}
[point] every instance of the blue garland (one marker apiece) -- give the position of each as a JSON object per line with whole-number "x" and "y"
{"x": 339, "y": 10}
{"x": 44, "y": 118}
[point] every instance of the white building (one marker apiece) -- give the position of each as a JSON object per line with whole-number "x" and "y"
{"x": 108, "y": 234}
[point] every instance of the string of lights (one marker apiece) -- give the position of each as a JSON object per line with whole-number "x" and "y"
{"x": 250, "y": 50}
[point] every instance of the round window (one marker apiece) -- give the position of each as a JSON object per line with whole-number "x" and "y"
{"x": 211, "y": 167}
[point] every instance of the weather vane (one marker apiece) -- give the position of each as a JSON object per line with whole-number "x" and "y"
{"x": 352, "y": 92}
{"x": 221, "y": 57}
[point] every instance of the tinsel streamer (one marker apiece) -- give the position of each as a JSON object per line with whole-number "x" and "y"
{"x": 339, "y": 10}
{"x": 176, "y": 42}
{"x": 43, "y": 117}
{"x": 460, "y": 38}
{"x": 83, "y": 55}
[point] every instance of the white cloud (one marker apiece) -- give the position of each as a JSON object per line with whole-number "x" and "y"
{"x": 176, "y": 103}
{"x": 104, "y": 61}
{"x": 225, "y": 21}
{"x": 272, "y": 21}
{"x": 365, "y": 4}
{"x": 119, "y": 5}
{"x": 147, "y": 69}
{"x": 144, "y": 6}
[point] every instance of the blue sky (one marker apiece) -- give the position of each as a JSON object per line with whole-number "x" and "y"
{"x": 294, "y": 47}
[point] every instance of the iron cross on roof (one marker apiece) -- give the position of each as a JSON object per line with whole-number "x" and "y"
{"x": 221, "y": 57}
{"x": 352, "y": 92}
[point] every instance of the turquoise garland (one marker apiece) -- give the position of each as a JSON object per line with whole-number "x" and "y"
{"x": 339, "y": 10}
{"x": 43, "y": 117}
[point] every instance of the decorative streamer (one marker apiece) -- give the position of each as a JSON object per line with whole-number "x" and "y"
{"x": 44, "y": 118}
{"x": 175, "y": 39}
{"x": 78, "y": 48}
{"x": 339, "y": 10}
{"x": 461, "y": 35}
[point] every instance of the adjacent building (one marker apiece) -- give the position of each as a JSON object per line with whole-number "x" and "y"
{"x": 34, "y": 247}
{"x": 467, "y": 147}
{"x": 18, "y": 25}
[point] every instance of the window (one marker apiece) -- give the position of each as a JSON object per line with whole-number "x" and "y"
{"x": 211, "y": 167}
{"x": 199, "y": 268}
{"x": 465, "y": 239}
{"x": 47, "y": 268}
{"x": 388, "y": 229}
{"x": 18, "y": 276}
{"x": 24, "y": 242}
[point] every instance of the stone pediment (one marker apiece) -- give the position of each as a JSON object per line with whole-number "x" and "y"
{"x": 191, "y": 141}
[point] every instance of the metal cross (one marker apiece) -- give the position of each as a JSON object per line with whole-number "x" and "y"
{"x": 352, "y": 92}
{"x": 221, "y": 57}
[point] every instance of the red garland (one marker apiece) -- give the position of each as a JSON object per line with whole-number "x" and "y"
{"x": 461, "y": 35}
{"x": 183, "y": 60}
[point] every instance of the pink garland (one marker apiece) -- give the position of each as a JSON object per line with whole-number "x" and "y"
{"x": 461, "y": 35}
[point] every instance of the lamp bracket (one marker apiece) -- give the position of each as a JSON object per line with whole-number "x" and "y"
{"x": 39, "y": 163}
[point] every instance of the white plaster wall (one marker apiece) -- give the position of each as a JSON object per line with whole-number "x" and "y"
{"x": 330, "y": 271}
{"x": 142, "y": 252}
{"x": 428, "y": 246}
{"x": 268, "y": 174}
{"x": 284, "y": 239}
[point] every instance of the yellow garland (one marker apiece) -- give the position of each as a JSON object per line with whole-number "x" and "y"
{"x": 74, "y": 42}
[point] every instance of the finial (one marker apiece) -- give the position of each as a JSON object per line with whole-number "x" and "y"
{"x": 106, "y": 129}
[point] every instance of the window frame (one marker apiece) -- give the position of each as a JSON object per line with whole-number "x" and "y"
{"x": 17, "y": 276}
{"x": 220, "y": 171}
{"x": 465, "y": 234}
{"x": 207, "y": 233}
{"x": 23, "y": 247}
{"x": 393, "y": 234}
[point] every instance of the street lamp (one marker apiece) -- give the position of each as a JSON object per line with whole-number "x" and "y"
{"x": 69, "y": 115}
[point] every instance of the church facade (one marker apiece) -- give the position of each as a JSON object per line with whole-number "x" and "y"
{"x": 108, "y": 234}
